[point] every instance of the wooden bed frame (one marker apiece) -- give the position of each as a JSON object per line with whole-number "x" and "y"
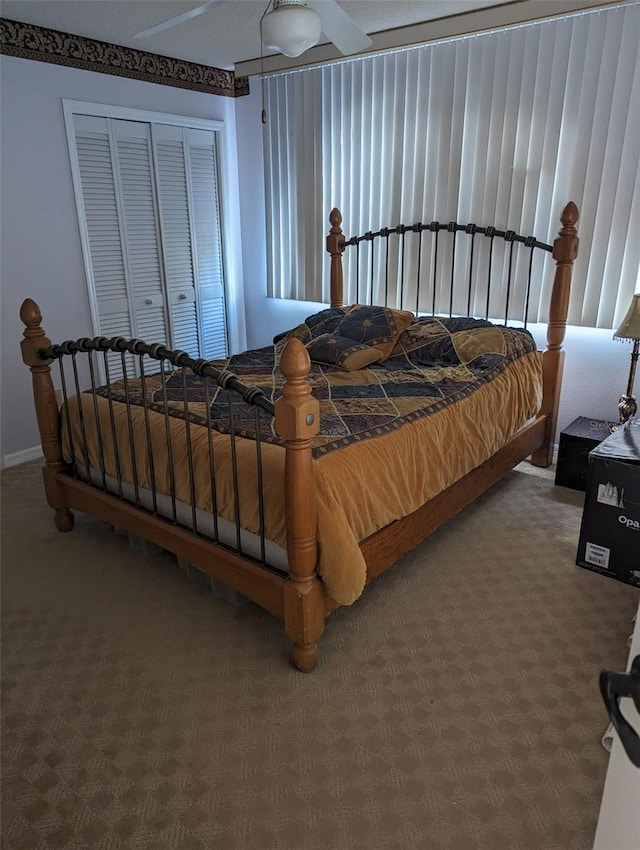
{"x": 301, "y": 600}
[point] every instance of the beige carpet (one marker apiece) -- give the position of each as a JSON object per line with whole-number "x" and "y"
{"x": 456, "y": 704}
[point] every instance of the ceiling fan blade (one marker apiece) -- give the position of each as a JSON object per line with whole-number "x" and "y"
{"x": 179, "y": 19}
{"x": 339, "y": 27}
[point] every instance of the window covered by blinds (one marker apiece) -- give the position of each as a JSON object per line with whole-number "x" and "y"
{"x": 149, "y": 195}
{"x": 499, "y": 128}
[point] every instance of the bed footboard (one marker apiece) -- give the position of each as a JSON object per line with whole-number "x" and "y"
{"x": 149, "y": 476}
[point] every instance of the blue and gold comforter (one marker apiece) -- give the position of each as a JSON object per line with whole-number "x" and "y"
{"x": 393, "y": 435}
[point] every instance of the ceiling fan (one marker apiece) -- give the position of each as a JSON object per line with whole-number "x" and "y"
{"x": 291, "y": 26}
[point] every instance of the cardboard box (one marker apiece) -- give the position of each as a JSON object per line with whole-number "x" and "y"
{"x": 610, "y": 531}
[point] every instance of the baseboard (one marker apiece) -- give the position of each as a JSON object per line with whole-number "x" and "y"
{"x": 16, "y": 458}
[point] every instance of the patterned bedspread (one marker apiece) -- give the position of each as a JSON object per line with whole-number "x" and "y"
{"x": 460, "y": 388}
{"x": 434, "y": 363}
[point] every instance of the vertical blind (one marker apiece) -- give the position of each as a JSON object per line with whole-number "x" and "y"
{"x": 498, "y": 128}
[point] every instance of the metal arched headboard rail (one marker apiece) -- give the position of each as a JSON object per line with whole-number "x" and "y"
{"x": 436, "y": 303}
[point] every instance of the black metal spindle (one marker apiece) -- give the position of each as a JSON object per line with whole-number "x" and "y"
{"x": 83, "y": 431}
{"x": 471, "y": 253}
{"x": 401, "y": 230}
{"x": 386, "y": 269}
{"x": 189, "y": 447}
{"x": 112, "y": 419}
{"x": 371, "y": 253}
{"x": 147, "y": 426}
{"x": 486, "y": 315}
{"x": 65, "y": 404}
{"x": 234, "y": 466}
{"x": 134, "y": 465}
{"x": 418, "y": 271}
{"x": 256, "y": 411}
{"x": 357, "y": 272}
{"x": 435, "y": 269}
{"x": 167, "y": 431}
{"x": 212, "y": 466}
{"x": 526, "y": 302}
{"x": 452, "y": 230}
{"x": 96, "y": 414}
{"x": 509, "y": 273}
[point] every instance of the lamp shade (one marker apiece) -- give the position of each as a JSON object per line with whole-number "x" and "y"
{"x": 630, "y": 326}
{"x": 291, "y": 28}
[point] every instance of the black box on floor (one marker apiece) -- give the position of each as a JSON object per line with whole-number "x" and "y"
{"x": 576, "y": 441}
{"x": 610, "y": 532}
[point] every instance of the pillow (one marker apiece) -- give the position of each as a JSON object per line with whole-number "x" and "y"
{"x": 325, "y": 321}
{"x": 449, "y": 342}
{"x": 335, "y": 350}
{"x": 300, "y": 332}
{"x": 350, "y": 337}
{"x": 421, "y": 333}
{"x": 473, "y": 343}
{"x": 377, "y": 327}
{"x": 363, "y": 336}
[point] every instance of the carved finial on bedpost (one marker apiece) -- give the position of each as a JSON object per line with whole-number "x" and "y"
{"x": 44, "y": 396}
{"x": 334, "y": 239}
{"x": 565, "y": 250}
{"x": 297, "y": 416}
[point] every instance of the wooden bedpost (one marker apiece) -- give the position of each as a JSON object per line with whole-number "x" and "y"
{"x": 44, "y": 396}
{"x": 334, "y": 239}
{"x": 297, "y": 416}
{"x": 565, "y": 250}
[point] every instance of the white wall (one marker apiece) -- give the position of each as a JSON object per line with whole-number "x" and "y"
{"x": 41, "y": 254}
{"x": 595, "y": 373}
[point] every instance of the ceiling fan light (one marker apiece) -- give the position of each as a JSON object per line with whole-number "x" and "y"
{"x": 291, "y": 29}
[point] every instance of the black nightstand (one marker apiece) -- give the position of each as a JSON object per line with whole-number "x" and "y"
{"x": 576, "y": 441}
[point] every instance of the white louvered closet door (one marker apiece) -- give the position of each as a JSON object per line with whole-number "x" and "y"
{"x": 172, "y": 177}
{"x": 140, "y": 227}
{"x": 201, "y": 154}
{"x": 150, "y": 199}
{"x": 104, "y": 236}
{"x": 190, "y": 226}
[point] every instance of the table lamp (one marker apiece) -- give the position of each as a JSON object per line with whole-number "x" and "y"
{"x": 630, "y": 329}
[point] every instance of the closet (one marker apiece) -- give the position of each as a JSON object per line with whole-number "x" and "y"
{"x": 150, "y": 217}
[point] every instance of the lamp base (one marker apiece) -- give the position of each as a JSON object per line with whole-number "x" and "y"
{"x": 627, "y": 409}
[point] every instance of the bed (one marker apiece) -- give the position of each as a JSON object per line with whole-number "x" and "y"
{"x": 297, "y": 473}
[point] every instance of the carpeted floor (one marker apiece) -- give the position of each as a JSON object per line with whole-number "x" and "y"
{"x": 455, "y": 705}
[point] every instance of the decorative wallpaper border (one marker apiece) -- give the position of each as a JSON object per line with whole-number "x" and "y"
{"x": 28, "y": 41}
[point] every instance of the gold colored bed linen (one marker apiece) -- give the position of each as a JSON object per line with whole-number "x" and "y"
{"x": 361, "y": 488}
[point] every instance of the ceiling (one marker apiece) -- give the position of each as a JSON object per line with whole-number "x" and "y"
{"x": 225, "y": 34}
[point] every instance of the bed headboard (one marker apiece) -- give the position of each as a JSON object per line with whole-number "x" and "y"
{"x": 451, "y": 285}
{"x": 447, "y": 268}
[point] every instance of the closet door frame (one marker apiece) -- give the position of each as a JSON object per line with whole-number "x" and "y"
{"x": 229, "y": 252}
